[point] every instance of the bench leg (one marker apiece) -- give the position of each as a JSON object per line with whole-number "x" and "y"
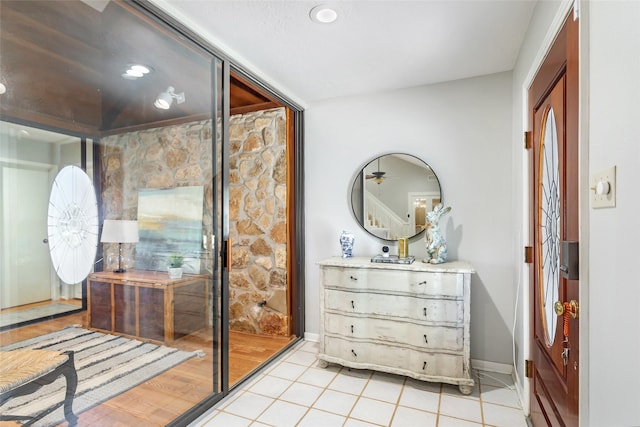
{"x": 69, "y": 372}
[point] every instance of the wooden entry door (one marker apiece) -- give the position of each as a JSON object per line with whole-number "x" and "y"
{"x": 553, "y": 109}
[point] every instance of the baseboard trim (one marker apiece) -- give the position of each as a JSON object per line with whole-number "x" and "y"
{"x": 483, "y": 365}
{"x": 309, "y": 336}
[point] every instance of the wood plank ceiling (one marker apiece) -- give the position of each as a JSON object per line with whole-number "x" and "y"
{"x": 62, "y": 64}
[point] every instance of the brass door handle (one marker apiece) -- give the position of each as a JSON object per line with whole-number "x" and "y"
{"x": 572, "y": 307}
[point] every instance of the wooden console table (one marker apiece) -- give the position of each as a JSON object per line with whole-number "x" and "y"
{"x": 147, "y": 304}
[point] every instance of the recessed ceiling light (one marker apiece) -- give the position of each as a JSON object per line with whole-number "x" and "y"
{"x": 323, "y": 14}
{"x": 136, "y": 71}
{"x": 140, "y": 68}
{"x": 3, "y": 88}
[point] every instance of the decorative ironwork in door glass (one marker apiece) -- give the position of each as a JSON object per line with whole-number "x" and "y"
{"x": 548, "y": 246}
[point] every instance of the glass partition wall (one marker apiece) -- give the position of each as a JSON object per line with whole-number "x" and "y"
{"x": 195, "y": 202}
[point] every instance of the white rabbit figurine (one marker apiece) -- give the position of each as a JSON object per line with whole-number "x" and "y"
{"x": 436, "y": 246}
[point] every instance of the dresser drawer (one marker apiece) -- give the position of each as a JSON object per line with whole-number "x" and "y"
{"x": 420, "y": 336}
{"x": 379, "y": 355}
{"x": 400, "y": 306}
{"x": 369, "y": 353}
{"x": 413, "y": 282}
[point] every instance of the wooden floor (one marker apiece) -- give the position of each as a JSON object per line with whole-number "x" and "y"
{"x": 170, "y": 394}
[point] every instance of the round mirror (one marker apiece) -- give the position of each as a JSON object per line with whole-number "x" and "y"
{"x": 391, "y": 195}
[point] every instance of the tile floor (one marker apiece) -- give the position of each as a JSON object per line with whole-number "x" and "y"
{"x": 293, "y": 391}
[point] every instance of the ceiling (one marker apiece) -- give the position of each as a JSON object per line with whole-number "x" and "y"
{"x": 373, "y": 46}
{"x": 62, "y": 61}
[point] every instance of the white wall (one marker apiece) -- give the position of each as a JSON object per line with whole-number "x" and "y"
{"x": 462, "y": 129}
{"x": 614, "y": 289}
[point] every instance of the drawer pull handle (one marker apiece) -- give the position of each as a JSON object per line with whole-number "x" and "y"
{"x": 426, "y": 341}
{"x": 352, "y": 304}
{"x": 424, "y": 282}
{"x": 424, "y": 366}
{"x": 351, "y": 328}
{"x": 353, "y": 278}
{"x": 425, "y": 311}
{"x": 354, "y": 353}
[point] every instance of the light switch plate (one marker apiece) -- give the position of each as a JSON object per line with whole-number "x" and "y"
{"x": 603, "y": 200}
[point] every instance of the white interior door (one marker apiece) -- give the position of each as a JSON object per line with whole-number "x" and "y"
{"x": 27, "y": 272}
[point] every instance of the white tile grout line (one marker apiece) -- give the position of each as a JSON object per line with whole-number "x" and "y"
{"x": 480, "y": 397}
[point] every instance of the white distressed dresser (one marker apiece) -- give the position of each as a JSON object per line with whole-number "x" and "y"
{"x": 409, "y": 320}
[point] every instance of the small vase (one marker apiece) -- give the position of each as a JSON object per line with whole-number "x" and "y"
{"x": 346, "y": 243}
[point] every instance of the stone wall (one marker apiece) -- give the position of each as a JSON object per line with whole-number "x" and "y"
{"x": 258, "y": 217}
{"x": 181, "y": 155}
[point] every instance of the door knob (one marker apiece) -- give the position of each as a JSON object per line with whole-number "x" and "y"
{"x": 572, "y": 307}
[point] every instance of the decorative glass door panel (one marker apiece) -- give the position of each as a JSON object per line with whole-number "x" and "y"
{"x": 549, "y": 224}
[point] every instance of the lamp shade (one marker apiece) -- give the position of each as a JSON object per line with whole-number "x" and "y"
{"x": 119, "y": 231}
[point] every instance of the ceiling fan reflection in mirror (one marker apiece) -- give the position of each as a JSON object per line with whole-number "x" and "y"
{"x": 377, "y": 176}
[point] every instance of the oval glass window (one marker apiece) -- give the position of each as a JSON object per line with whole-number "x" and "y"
{"x": 549, "y": 225}
{"x": 72, "y": 225}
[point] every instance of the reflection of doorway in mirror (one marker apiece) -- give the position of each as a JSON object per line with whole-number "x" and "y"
{"x": 419, "y": 205}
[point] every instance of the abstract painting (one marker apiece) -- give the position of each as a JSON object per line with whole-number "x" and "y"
{"x": 170, "y": 222}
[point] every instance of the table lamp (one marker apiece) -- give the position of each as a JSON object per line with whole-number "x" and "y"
{"x": 119, "y": 231}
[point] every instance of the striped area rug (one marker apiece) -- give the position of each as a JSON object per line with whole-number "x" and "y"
{"x": 107, "y": 365}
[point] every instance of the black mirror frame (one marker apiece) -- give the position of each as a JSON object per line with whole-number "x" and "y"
{"x": 357, "y": 208}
